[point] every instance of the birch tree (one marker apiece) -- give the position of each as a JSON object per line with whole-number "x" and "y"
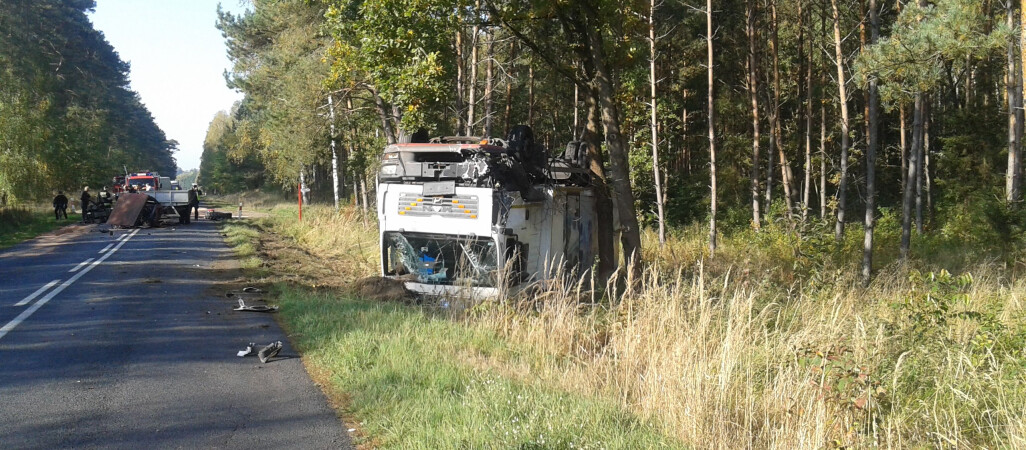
{"x": 655, "y": 122}
{"x": 712, "y": 127}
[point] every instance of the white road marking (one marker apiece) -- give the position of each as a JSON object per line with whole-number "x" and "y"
{"x": 106, "y": 248}
{"x": 79, "y": 266}
{"x": 39, "y": 304}
{"x": 121, "y": 237}
{"x": 33, "y": 295}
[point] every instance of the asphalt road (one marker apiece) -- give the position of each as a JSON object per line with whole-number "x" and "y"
{"x": 128, "y": 341}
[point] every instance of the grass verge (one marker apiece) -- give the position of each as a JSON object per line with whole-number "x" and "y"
{"x": 771, "y": 344}
{"x": 21, "y": 224}
{"x": 415, "y": 376}
{"x": 416, "y": 379}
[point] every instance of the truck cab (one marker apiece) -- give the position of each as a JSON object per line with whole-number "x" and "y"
{"x": 478, "y": 216}
{"x": 144, "y": 181}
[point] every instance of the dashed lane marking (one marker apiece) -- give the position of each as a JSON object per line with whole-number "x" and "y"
{"x": 79, "y": 266}
{"x": 33, "y": 295}
{"x": 39, "y": 304}
{"x": 107, "y": 248}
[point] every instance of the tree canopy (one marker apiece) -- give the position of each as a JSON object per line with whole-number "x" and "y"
{"x": 67, "y": 114}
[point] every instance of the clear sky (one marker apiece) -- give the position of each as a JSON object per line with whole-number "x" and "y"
{"x": 178, "y": 60}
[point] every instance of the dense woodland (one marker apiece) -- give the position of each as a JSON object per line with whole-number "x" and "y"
{"x": 67, "y": 115}
{"x": 818, "y": 113}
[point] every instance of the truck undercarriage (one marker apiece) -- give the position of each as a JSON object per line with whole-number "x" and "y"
{"x": 478, "y": 216}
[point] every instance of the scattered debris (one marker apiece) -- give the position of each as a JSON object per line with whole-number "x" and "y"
{"x": 248, "y": 351}
{"x": 216, "y": 215}
{"x": 256, "y": 308}
{"x": 270, "y": 351}
{"x": 252, "y": 289}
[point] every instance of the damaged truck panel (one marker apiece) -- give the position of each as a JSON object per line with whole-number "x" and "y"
{"x": 476, "y": 216}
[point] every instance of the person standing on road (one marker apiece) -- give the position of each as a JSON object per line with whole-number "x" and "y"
{"x": 194, "y": 194}
{"x": 103, "y": 197}
{"x": 60, "y": 206}
{"x": 85, "y": 202}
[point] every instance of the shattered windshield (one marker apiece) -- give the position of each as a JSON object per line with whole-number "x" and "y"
{"x": 441, "y": 259}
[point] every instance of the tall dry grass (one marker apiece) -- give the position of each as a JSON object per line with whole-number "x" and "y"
{"x": 761, "y": 346}
{"x": 736, "y": 360}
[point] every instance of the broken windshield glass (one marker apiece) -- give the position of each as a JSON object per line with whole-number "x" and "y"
{"x": 441, "y": 259}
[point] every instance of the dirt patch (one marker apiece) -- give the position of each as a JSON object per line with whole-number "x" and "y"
{"x": 382, "y": 289}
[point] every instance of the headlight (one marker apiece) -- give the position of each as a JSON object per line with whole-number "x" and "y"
{"x": 389, "y": 169}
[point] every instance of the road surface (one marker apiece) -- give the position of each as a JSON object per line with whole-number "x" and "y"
{"x": 128, "y": 341}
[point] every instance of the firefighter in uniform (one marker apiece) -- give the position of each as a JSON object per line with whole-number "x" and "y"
{"x": 60, "y": 205}
{"x": 85, "y": 202}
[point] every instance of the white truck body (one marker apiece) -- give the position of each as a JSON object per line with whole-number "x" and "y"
{"x": 171, "y": 197}
{"x": 474, "y": 238}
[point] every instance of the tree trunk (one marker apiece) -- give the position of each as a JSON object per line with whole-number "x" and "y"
{"x": 908, "y": 198}
{"x": 530, "y": 93}
{"x": 460, "y": 82}
{"x": 356, "y": 191}
{"x": 920, "y": 158}
{"x": 1011, "y": 172}
{"x": 904, "y": 146}
{"x": 472, "y": 82}
{"x": 1019, "y": 122}
{"x": 753, "y": 94}
{"x": 509, "y": 87}
{"x": 822, "y": 160}
{"x": 363, "y": 191}
{"x": 334, "y": 150}
{"x": 385, "y": 116}
{"x": 842, "y": 187}
{"x": 927, "y": 179}
{"x": 822, "y": 127}
{"x": 871, "y": 148}
{"x": 712, "y": 129}
{"x": 619, "y": 167}
{"x": 592, "y": 136}
{"x": 655, "y": 122}
{"x": 489, "y": 85}
{"x": 577, "y": 110}
{"x": 786, "y": 175}
{"x": 807, "y": 56}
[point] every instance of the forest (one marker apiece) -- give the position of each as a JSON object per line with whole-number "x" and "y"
{"x": 811, "y": 115}
{"x": 68, "y": 117}
{"x": 821, "y": 228}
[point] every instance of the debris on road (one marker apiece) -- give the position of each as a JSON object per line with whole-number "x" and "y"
{"x": 248, "y": 351}
{"x": 256, "y": 308}
{"x": 270, "y": 351}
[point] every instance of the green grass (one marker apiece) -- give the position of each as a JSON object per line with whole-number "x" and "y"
{"x": 21, "y": 224}
{"x": 418, "y": 380}
{"x": 242, "y": 237}
{"x": 771, "y": 344}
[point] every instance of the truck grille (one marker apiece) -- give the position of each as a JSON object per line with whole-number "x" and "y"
{"x": 457, "y": 206}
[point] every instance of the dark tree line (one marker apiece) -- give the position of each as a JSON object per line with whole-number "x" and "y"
{"x": 67, "y": 115}
{"x": 824, "y": 113}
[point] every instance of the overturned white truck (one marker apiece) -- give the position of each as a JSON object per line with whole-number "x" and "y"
{"x": 473, "y": 216}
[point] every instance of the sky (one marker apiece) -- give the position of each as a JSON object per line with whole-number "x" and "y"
{"x": 178, "y": 60}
